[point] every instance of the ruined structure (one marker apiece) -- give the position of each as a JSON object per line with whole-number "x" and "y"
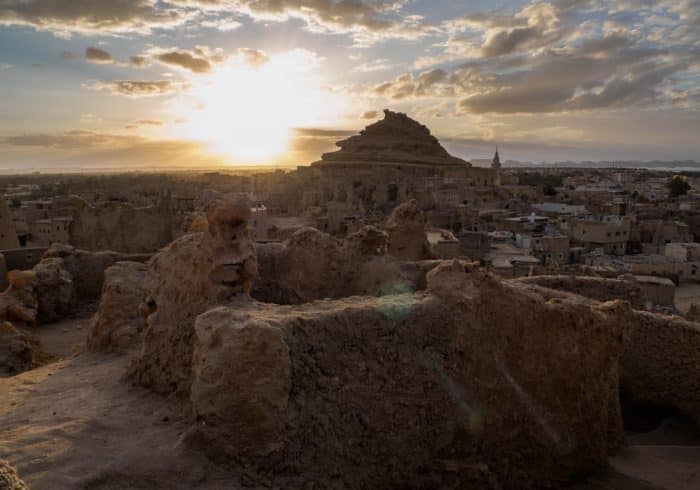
{"x": 597, "y": 288}
{"x": 388, "y": 162}
{"x": 120, "y": 227}
{"x": 88, "y": 268}
{"x": 275, "y": 386}
{"x": 192, "y": 274}
{"x": 406, "y": 229}
{"x": 397, "y": 139}
{"x": 117, "y": 323}
{"x": 659, "y": 367}
{"x": 313, "y": 265}
{"x": 8, "y": 233}
{"x": 43, "y": 294}
{"x": 272, "y": 384}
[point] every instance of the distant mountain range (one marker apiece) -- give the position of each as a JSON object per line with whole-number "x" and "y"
{"x": 653, "y": 164}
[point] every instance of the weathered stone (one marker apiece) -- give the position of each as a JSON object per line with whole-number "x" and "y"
{"x": 189, "y": 276}
{"x": 87, "y": 268}
{"x": 43, "y": 294}
{"x": 406, "y": 229}
{"x": 117, "y": 323}
{"x": 120, "y": 226}
{"x": 240, "y": 382}
{"x": 9, "y": 480}
{"x": 54, "y": 290}
{"x": 313, "y": 265}
{"x": 660, "y": 364}
{"x": 17, "y": 352}
{"x": 416, "y": 389}
{"x": 597, "y": 288}
{"x": 19, "y": 301}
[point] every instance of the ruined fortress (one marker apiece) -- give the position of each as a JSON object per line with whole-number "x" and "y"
{"x": 324, "y": 361}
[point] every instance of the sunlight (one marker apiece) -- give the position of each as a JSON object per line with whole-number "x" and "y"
{"x": 248, "y": 113}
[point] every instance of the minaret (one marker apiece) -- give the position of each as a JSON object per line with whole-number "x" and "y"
{"x": 496, "y": 161}
{"x": 496, "y": 167}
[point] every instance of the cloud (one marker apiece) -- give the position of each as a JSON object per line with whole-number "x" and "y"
{"x": 97, "y": 55}
{"x": 552, "y": 58}
{"x": 91, "y": 16}
{"x": 538, "y": 25}
{"x": 253, "y": 57}
{"x": 138, "y": 61}
{"x": 137, "y": 88}
{"x": 66, "y": 140}
{"x": 323, "y": 133}
{"x": 370, "y": 115}
{"x": 382, "y": 64}
{"x": 198, "y": 60}
{"x": 185, "y": 60}
{"x": 408, "y": 85}
{"x": 69, "y": 56}
{"x": 368, "y": 22}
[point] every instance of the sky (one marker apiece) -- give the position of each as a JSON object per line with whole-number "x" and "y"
{"x": 141, "y": 84}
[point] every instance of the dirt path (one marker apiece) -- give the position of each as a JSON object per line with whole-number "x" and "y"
{"x": 76, "y": 423}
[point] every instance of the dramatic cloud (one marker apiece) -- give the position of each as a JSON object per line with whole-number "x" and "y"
{"x": 544, "y": 59}
{"x": 90, "y": 16}
{"x": 367, "y": 21}
{"x": 137, "y": 88}
{"x": 198, "y": 60}
{"x": 186, "y": 60}
{"x": 97, "y": 55}
{"x": 408, "y": 85}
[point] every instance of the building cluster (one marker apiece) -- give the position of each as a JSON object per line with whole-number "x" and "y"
{"x": 515, "y": 222}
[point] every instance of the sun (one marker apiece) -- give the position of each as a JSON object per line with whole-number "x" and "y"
{"x": 248, "y": 113}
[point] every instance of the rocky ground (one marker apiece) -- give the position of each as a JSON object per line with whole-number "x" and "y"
{"x": 75, "y": 422}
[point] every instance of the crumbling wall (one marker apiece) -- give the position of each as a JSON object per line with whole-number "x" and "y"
{"x": 117, "y": 323}
{"x": 313, "y": 265}
{"x": 120, "y": 227}
{"x": 43, "y": 294}
{"x": 87, "y": 268}
{"x": 597, "y": 288}
{"x": 660, "y": 365}
{"x": 406, "y": 229}
{"x": 443, "y": 388}
{"x": 55, "y": 290}
{"x": 17, "y": 351}
{"x": 184, "y": 279}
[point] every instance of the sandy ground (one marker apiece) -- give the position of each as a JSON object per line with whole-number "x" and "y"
{"x": 76, "y": 423}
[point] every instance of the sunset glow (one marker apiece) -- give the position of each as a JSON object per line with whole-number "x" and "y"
{"x": 247, "y": 113}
